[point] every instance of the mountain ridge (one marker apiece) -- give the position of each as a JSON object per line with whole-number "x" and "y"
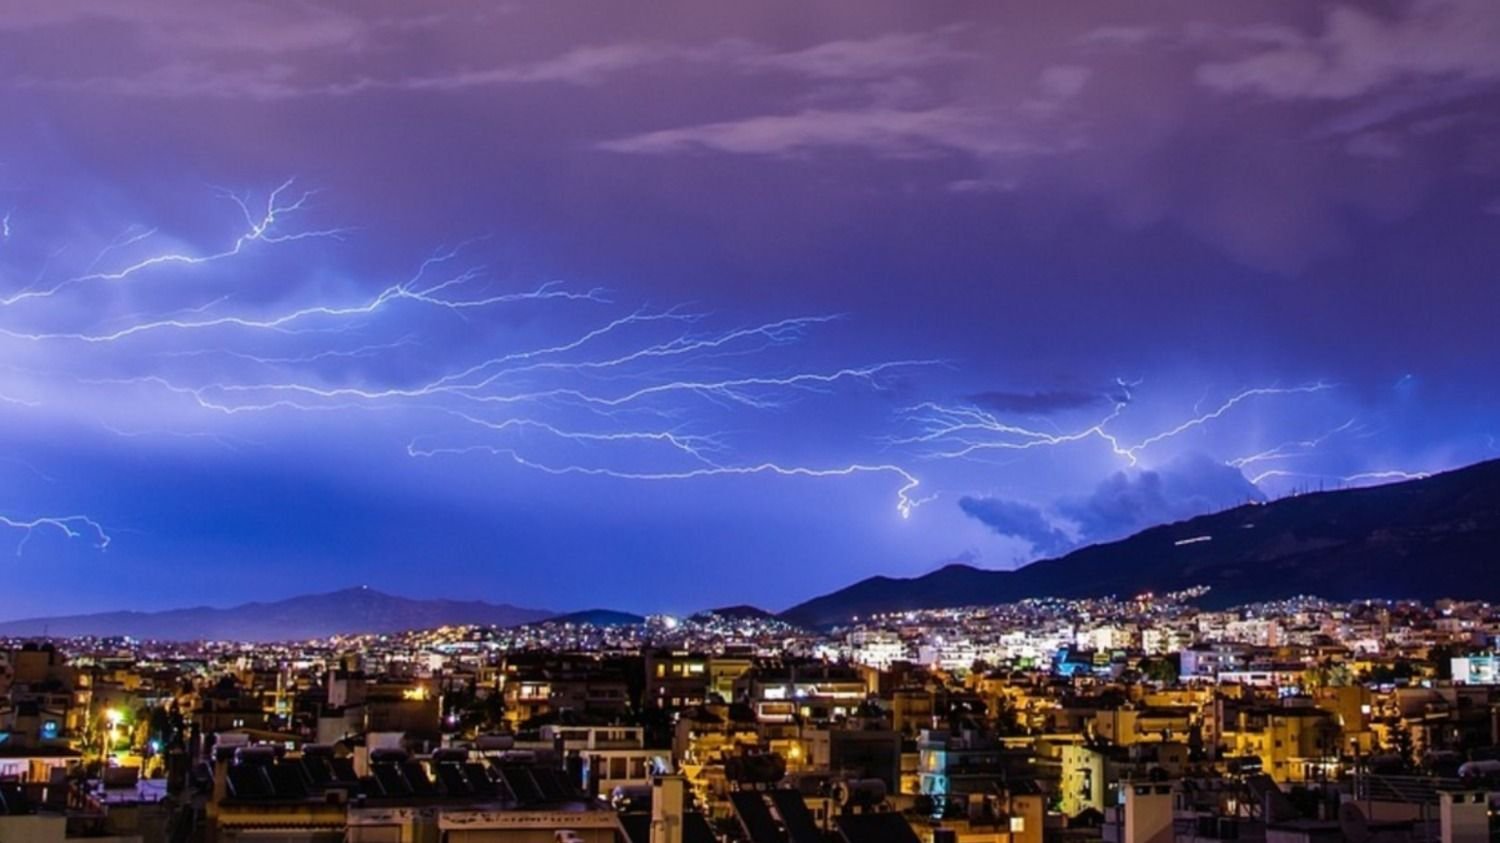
{"x": 1422, "y": 539}
{"x": 342, "y": 612}
{"x": 599, "y": 617}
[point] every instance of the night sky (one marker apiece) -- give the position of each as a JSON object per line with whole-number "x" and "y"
{"x": 573, "y": 304}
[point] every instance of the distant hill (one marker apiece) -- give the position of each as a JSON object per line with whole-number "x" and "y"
{"x": 740, "y": 612}
{"x": 1422, "y": 539}
{"x": 353, "y": 610}
{"x": 599, "y": 617}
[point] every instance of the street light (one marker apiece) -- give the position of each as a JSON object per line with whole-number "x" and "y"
{"x": 114, "y": 717}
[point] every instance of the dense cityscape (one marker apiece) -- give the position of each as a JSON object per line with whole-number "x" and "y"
{"x": 1122, "y": 720}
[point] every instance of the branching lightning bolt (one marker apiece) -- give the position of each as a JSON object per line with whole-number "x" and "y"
{"x": 1291, "y": 449}
{"x": 260, "y": 228}
{"x": 958, "y": 431}
{"x": 905, "y": 505}
{"x": 591, "y": 389}
{"x": 1218, "y": 412}
{"x": 633, "y": 395}
{"x": 71, "y": 526}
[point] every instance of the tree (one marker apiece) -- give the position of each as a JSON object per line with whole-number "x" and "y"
{"x": 1402, "y": 743}
{"x": 1164, "y": 670}
{"x": 1441, "y": 657}
{"x": 161, "y": 728}
{"x": 1329, "y": 674}
{"x": 1007, "y": 717}
{"x": 1395, "y": 673}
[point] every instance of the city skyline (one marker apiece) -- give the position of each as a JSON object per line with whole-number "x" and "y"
{"x": 673, "y": 310}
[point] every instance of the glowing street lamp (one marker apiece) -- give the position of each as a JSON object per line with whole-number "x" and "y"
{"x": 114, "y": 717}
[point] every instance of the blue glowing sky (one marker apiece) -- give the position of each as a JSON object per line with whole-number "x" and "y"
{"x": 571, "y": 304}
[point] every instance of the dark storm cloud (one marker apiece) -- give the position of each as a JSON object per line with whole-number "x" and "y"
{"x": 1354, "y": 52}
{"x": 1017, "y": 520}
{"x": 1125, "y": 502}
{"x": 1050, "y": 401}
{"x": 1180, "y": 117}
{"x": 1093, "y": 114}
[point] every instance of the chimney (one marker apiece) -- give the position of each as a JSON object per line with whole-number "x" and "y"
{"x": 668, "y": 796}
{"x": 177, "y": 770}
{"x": 573, "y": 763}
{"x": 221, "y": 782}
{"x": 1464, "y": 816}
{"x": 596, "y": 772}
